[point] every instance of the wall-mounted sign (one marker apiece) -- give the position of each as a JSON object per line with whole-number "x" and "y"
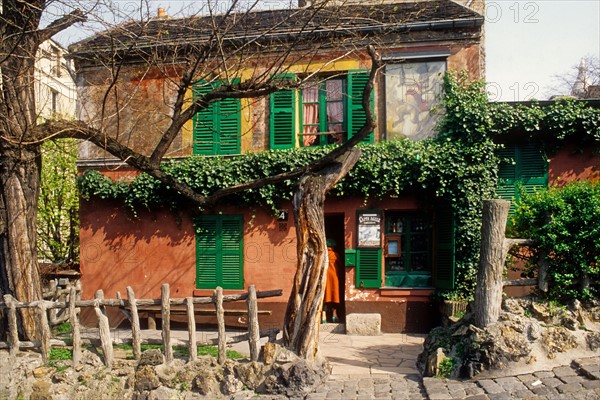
{"x": 282, "y": 215}
{"x": 369, "y": 229}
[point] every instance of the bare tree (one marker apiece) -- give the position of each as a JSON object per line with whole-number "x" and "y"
{"x": 118, "y": 109}
{"x": 580, "y": 80}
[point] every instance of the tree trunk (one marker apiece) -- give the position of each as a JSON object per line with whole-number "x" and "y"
{"x": 19, "y": 162}
{"x": 488, "y": 293}
{"x": 19, "y": 186}
{"x": 301, "y": 325}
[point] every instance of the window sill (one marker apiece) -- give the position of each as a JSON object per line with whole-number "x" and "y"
{"x": 406, "y": 291}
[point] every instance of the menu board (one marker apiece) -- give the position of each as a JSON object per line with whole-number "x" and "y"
{"x": 369, "y": 229}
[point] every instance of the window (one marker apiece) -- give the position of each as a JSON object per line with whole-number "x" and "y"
{"x": 217, "y": 127}
{"x": 522, "y": 167}
{"x": 57, "y": 63}
{"x": 329, "y": 111}
{"x": 219, "y": 252}
{"x": 417, "y": 251}
{"x": 54, "y": 102}
{"x": 408, "y": 250}
{"x": 323, "y": 113}
{"x": 413, "y": 92}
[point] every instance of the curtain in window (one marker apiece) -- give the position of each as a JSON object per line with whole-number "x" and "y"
{"x": 310, "y": 100}
{"x": 335, "y": 109}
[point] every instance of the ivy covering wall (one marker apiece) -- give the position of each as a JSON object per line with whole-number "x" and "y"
{"x": 457, "y": 167}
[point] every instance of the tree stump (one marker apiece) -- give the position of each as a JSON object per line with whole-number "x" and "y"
{"x": 488, "y": 293}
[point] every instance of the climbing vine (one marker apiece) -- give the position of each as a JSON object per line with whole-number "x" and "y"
{"x": 457, "y": 167}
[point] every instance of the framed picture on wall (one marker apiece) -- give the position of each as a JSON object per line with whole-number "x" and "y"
{"x": 369, "y": 229}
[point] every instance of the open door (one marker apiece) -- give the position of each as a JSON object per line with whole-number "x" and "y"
{"x": 334, "y": 231}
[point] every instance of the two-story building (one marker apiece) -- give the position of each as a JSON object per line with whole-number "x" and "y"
{"x": 396, "y": 251}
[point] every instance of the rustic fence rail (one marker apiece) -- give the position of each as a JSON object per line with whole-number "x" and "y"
{"x": 71, "y": 304}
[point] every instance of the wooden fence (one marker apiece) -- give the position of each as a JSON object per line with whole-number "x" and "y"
{"x": 131, "y": 307}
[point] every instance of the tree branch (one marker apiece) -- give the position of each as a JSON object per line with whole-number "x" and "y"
{"x": 80, "y": 130}
{"x": 61, "y": 24}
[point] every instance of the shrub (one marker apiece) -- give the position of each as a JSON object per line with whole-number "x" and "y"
{"x": 565, "y": 222}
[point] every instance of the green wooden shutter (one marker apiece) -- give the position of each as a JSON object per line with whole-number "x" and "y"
{"x": 217, "y": 127}
{"x": 204, "y": 123}
{"x": 444, "y": 274}
{"x": 232, "y": 248}
{"x": 533, "y": 167}
{"x": 368, "y": 268}
{"x": 507, "y": 175}
{"x": 522, "y": 168}
{"x": 219, "y": 252}
{"x": 206, "y": 252}
{"x": 355, "y": 115}
{"x": 228, "y": 132}
{"x": 282, "y": 119}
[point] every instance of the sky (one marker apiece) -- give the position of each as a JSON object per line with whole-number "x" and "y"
{"x": 528, "y": 43}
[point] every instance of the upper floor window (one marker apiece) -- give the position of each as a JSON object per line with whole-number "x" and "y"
{"x": 217, "y": 128}
{"x": 323, "y": 112}
{"x": 413, "y": 94}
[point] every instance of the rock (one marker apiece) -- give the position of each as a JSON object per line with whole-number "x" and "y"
{"x": 146, "y": 378}
{"x": 251, "y": 374}
{"x": 593, "y": 340}
{"x": 166, "y": 373}
{"x": 534, "y": 330}
{"x": 268, "y": 353}
{"x": 207, "y": 384}
{"x": 541, "y": 312}
{"x": 512, "y": 306}
{"x": 557, "y": 340}
{"x": 151, "y": 357}
{"x": 165, "y": 393}
{"x": 41, "y": 390}
{"x": 570, "y": 322}
{"x": 434, "y": 361}
{"x": 363, "y": 324}
{"x": 296, "y": 379}
{"x": 231, "y": 385}
{"x": 89, "y": 358}
{"x": 514, "y": 345}
{"x": 41, "y": 372}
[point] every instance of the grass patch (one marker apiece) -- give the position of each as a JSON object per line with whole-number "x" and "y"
{"x": 60, "y": 354}
{"x": 181, "y": 351}
{"x": 62, "y": 329}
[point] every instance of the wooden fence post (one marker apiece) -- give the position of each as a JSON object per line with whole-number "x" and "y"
{"x": 222, "y": 355}
{"x": 74, "y": 317}
{"x": 166, "y": 321}
{"x": 104, "y": 329}
{"x": 192, "y": 346}
{"x": 44, "y": 331}
{"x": 136, "y": 341}
{"x": 13, "y": 331}
{"x": 488, "y": 292}
{"x": 253, "y": 328}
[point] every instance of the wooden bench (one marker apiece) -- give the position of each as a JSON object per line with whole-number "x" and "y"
{"x": 151, "y": 313}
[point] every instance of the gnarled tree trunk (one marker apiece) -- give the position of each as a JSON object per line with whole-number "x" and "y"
{"x": 19, "y": 156}
{"x": 301, "y": 326}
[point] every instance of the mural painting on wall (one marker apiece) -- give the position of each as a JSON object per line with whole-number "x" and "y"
{"x": 413, "y": 90}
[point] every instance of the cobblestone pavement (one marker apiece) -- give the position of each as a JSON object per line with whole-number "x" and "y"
{"x": 580, "y": 380}
{"x": 383, "y": 367}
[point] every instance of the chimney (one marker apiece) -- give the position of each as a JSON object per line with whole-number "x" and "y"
{"x": 162, "y": 13}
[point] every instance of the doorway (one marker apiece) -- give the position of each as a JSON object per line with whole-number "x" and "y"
{"x": 334, "y": 230}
